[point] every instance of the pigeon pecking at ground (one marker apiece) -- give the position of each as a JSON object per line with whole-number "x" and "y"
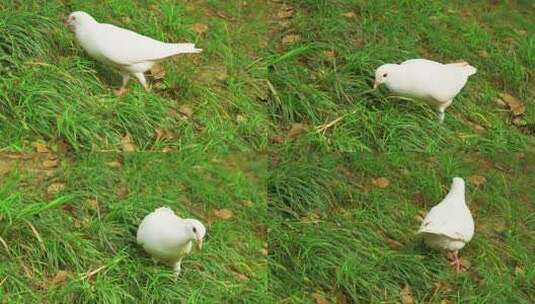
{"x": 124, "y": 50}
{"x": 169, "y": 238}
{"x": 431, "y": 81}
{"x": 449, "y": 225}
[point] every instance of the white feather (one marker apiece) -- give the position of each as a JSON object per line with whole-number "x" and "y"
{"x": 449, "y": 225}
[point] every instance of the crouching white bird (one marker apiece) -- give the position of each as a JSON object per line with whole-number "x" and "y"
{"x": 449, "y": 225}
{"x": 169, "y": 238}
{"x": 127, "y": 51}
{"x": 428, "y": 80}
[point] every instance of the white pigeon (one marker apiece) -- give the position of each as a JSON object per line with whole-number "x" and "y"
{"x": 127, "y": 51}
{"x": 449, "y": 225}
{"x": 168, "y": 238}
{"x": 431, "y": 81}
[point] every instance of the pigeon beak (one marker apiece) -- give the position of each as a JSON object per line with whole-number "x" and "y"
{"x": 376, "y": 84}
{"x": 199, "y": 244}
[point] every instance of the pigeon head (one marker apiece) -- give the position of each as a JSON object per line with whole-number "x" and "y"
{"x": 196, "y": 230}
{"x": 382, "y": 74}
{"x": 458, "y": 183}
{"x": 78, "y": 20}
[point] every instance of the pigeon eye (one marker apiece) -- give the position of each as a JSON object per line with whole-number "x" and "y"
{"x": 385, "y": 74}
{"x": 194, "y": 230}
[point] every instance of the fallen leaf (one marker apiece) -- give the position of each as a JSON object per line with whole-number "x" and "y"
{"x": 121, "y": 191}
{"x": 341, "y": 298}
{"x": 163, "y": 134}
{"x": 127, "y": 144}
{"x": 285, "y": 12}
{"x": 186, "y": 111}
{"x": 93, "y": 204}
{"x": 465, "y": 263}
{"x": 381, "y": 182}
{"x": 200, "y": 28}
{"x": 59, "y": 278}
{"x": 393, "y": 244}
{"x": 157, "y": 72}
{"x": 349, "y": 15}
{"x": 442, "y": 287}
{"x": 516, "y": 106}
{"x": 477, "y": 180}
{"x": 55, "y": 187}
{"x": 40, "y": 147}
{"x": 291, "y": 39}
{"x": 264, "y": 251}
{"x": 223, "y": 214}
{"x": 295, "y": 130}
{"x": 330, "y": 54}
{"x": 50, "y": 163}
{"x": 240, "y": 276}
{"x": 406, "y": 295}
{"x": 114, "y": 164}
{"x": 319, "y": 298}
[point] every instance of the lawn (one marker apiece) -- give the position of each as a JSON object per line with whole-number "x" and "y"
{"x": 324, "y": 55}
{"x": 54, "y": 93}
{"x": 68, "y": 228}
{"x": 340, "y": 233}
{"x": 312, "y": 185}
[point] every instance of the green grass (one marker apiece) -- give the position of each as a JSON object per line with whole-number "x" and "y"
{"x": 46, "y": 233}
{"x": 330, "y": 232}
{"x": 333, "y": 233}
{"x": 51, "y": 91}
{"x": 312, "y": 87}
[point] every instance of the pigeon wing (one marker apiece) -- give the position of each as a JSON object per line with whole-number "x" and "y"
{"x": 124, "y": 47}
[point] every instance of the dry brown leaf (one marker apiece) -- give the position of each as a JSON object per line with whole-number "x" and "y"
{"x": 285, "y": 12}
{"x": 341, "y": 298}
{"x": 393, "y": 244}
{"x": 406, "y": 295}
{"x": 240, "y": 276}
{"x": 55, "y": 187}
{"x": 516, "y": 106}
{"x": 40, "y": 147}
{"x": 200, "y": 28}
{"x": 381, "y": 182}
{"x": 477, "y": 180}
{"x": 186, "y": 111}
{"x": 291, "y": 39}
{"x": 319, "y": 298}
{"x": 59, "y": 278}
{"x": 127, "y": 144}
{"x": 295, "y": 130}
{"x": 114, "y": 164}
{"x": 465, "y": 263}
{"x": 121, "y": 191}
{"x": 157, "y": 72}
{"x": 50, "y": 163}
{"x": 330, "y": 54}
{"x": 223, "y": 214}
{"x": 349, "y": 15}
{"x": 93, "y": 204}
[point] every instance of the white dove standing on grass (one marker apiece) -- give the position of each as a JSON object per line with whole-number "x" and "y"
{"x": 127, "y": 51}
{"x": 169, "y": 238}
{"x": 449, "y": 225}
{"x": 431, "y": 81}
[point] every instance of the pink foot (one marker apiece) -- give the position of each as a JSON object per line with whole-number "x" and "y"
{"x": 456, "y": 262}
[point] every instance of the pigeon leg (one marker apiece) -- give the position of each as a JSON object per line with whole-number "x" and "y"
{"x": 122, "y": 89}
{"x": 456, "y": 261}
{"x": 178, "y": 267}
{"x": 442, "y": 108}
{"x": 142, "y": 80}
